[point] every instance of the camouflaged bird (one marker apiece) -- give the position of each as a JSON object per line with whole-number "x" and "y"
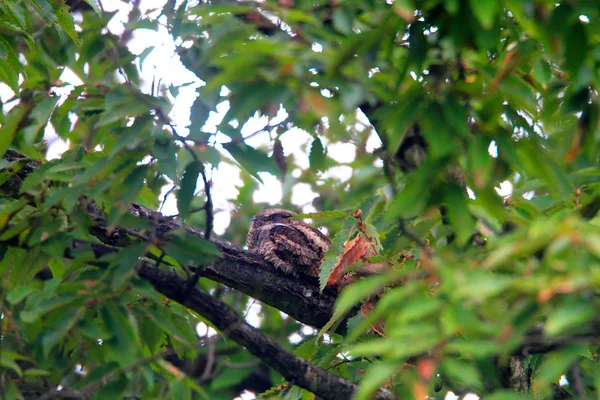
{"x": 290, "y": 245}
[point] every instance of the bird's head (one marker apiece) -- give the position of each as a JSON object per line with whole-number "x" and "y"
{"x": 270, "y": 216}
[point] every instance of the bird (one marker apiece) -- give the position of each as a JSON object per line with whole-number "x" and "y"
{"x": 292, "y": 246}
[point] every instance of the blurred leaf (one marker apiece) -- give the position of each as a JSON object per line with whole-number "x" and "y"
{"x": 375, "y": 376}
{"x": 485, "y": 11}
{"x": 571, "y": 313}
{"x": 188, "y": 187}
{"x": 576, "y": 48}
{"x": 459, "y": 215}
{"x": 316, "y": 156}
{"x": 333, "y": 214}
{"x": 229, "y": 377}
{"x": 191, "y": 250}
{"x": 251, "y": 160}
{"x": 509, "y": 395}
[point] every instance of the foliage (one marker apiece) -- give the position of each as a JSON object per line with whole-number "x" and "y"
{"x": 462, "y": 98}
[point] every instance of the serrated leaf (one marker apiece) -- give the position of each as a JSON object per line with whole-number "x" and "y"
{"x": 65, "y": 20}
{"x": 9, "y": 66}
{"x": 45, "y": 10}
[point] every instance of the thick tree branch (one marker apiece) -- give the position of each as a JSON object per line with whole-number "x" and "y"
{"x": 295, "y": 369}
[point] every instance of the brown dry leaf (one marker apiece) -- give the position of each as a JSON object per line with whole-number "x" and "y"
{"x": 354, "y": 250}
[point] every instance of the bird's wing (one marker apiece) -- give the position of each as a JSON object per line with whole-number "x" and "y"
{"x": 295, "y": 246}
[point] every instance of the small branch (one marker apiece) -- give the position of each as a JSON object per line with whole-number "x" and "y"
{"x": 576, "y": 376}
{"x": 208, "y": 206}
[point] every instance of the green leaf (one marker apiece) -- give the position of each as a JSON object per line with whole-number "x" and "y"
{"x": 576, "y": 48}
{"x": 9, "y": 74}
{"x": 124, "y": 263}
{"x": 354, "y": 294}
{"x": 342, "y": 20}
{"x": 95, "y": 5}
{"x": 114, "y": 389}
{"x": 251, "y": 160}
{"x": 19, "y": 293}
{"x": 554, "y": 365}
{"x": 191, "y": 250}
{"x": 187, "y": 188}
{"x": 56, "y": 332}
{"x": 333, "y": 214}
{"x": 375, "y": 376}
{"x": 572, "y": 312}
{"x": 124, "y": 346}
{"x": 480, "y": 161}
{"x": 45, "y": 10}
{"x": 35, "y": 372}
{"x": 509, "y": 395}
{"x": 7, "y": 362}
{"x": 316, "y": 156}
{"x": 65, "y": 20}
{"x": 133, "y": 184}
{"x": 462, "y": 372}
{"x": 410, "y": 201}
{"x": 333, "y": 254}
{"x": 229, "y": 377}
{"x": 307, "y": 350}
{"x": 10, "y": 125}
{"x": 459, "y": 215}
{"x": 485, "y": 11}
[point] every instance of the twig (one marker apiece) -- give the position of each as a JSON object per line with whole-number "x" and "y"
{"x": 165, "y": 197}
{"x": 412, "y": 235}
{"x": 210, "y": 361}
{"x": 578, "y": 385}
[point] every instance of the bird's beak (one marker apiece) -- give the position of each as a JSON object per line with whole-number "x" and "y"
{"x": 253, "y": 219}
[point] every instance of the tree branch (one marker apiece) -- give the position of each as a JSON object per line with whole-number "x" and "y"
{"x": 295, "y": 369}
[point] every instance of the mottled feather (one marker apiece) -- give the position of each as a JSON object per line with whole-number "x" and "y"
{"x": 290, "y": 245}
